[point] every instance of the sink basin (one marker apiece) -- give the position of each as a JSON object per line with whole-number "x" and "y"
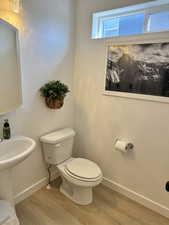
{"x": 14, "y": 151}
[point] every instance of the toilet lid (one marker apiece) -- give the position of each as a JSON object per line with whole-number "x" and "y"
{"x": 5, "y": 211}
{"x": 83, "y": 168}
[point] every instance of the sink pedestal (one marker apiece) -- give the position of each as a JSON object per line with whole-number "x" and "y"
{"x": 6, "y": 192}
{"x": 12, "y": 152}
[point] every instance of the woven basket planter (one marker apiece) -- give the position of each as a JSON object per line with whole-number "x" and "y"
{"x": 54, "y": 103}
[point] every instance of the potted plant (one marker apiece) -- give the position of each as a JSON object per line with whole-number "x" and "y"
{"x": 54, "y": 93}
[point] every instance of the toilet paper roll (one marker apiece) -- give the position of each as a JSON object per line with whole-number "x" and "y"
{"x": 123, "y": 146}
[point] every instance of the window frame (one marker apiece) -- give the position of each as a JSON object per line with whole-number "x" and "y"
{"x": 147, "y": 8}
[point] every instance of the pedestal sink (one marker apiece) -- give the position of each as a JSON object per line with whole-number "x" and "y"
{"x": 12, "y": 152}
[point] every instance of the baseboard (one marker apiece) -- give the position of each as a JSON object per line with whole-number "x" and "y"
{"x": 30, "y": 190}
{"x": 164, "y": 211}
{"x": 35, "y": 187}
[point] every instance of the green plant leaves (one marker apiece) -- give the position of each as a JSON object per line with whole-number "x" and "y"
{"x": 54, "y": 90}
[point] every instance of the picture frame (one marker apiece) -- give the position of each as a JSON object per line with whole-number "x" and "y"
{"x": 144, "y": 39}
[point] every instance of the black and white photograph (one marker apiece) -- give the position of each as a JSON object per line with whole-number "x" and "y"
{"x": 138, "y": 69}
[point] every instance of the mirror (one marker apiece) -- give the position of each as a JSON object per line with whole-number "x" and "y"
{"x": 10, "y": 76}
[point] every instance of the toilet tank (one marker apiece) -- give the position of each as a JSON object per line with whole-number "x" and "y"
{"x": 58, "y": 145}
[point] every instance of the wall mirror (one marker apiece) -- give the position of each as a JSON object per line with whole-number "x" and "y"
{"x": 10, "y": 75}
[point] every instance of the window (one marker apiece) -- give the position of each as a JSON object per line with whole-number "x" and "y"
{"x": 111, "y": 27}
{"x": 137, "y": 19}
{"x": 159, "y": 21}
{"x": 120, "y": 26}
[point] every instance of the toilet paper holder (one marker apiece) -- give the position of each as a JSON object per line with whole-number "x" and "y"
{"x": 130, "y": 146}
{"x": 123, "y": 145}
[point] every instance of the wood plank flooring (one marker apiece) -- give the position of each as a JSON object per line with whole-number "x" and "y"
{"x": 50, "y": 207}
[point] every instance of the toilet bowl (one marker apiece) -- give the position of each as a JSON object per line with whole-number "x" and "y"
{"x": 7, "y": 214}
{"x": 78, "y": 175}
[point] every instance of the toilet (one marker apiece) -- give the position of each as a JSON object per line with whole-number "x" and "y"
{"x": 7, "y": 214}
{"x": 79, "y": 175}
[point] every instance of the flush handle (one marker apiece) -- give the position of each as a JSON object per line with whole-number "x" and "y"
{"x": 58, "y": 145}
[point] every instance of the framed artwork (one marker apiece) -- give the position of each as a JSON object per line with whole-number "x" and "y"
{"x": 138, "y": 70}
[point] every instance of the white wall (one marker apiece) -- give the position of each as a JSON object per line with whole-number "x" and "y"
{"x": 100, "y": 119}
{"x": 47, "y": 53}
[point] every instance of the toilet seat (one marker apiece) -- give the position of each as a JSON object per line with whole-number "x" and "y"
{"x": 83, "y": 169}
{"x": 81, "y": 179}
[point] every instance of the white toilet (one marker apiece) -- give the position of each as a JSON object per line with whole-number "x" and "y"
{"x": 79, "y": 175}
{"x": 7, "y": 214}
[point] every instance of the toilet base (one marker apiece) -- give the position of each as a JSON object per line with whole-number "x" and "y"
{"x": 79, "y": 195}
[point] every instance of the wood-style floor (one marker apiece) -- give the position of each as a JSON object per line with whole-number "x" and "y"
{"x": 50, "y": 207}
